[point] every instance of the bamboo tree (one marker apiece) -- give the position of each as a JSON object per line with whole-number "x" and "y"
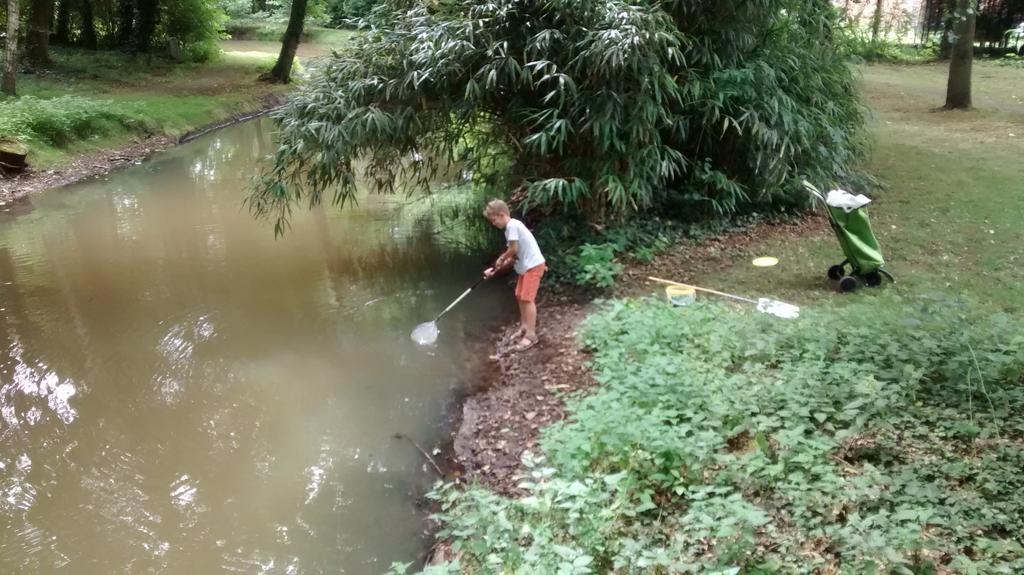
{"x": 11, "y": 50}
{"x": 958, "y": 87}
{"x": 597, "y": 109}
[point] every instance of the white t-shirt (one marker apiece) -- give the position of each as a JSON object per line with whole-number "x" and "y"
{"x": 528, "y": 254}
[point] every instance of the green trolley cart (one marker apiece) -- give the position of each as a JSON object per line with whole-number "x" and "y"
{"x": 860, "y": 246}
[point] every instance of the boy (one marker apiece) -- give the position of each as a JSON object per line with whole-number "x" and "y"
{"x": 529, "y": 264}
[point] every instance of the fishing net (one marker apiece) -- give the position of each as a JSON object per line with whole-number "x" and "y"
{"x": 426, "y": 333}
{"x": 778, "y": 308}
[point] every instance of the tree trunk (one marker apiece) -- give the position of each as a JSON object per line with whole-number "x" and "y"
{"x": 282, "y": 71}
{"x": 876, "y": 20}
{"x": 37, "y": 47}
{"x": 924, "y": 13}
{"x": 88, "y": 25}
{"x": 945, "y": 45}
{"x": 11, "y": 50}
{"x": 148, "y": 13}
{"x": 127, "y": 26}
{"x": 958, "y": 89}
{"x": 63, "y": 34}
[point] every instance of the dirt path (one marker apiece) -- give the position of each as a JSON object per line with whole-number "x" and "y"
{"x": 305, "y": 49}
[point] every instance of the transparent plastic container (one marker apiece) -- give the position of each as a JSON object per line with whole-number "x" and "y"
{"x": 680, "y": 296}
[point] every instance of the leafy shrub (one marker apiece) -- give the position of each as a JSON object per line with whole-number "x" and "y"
{"x": 607, "y": 108}
{"x": 595, "y": 265}
{"x": 582, "y": 256}
{"x": 197, "y": 24}
{"x": 858, "y": 44}
{"x": 859, "y": 40}
{"x": 59, "y": 121}
{"x": 343, "y": 12}
{"x": 885, "y": 436}
{"x": 570, "y": 245}
{"x": 261, "y": 27}
{"x": 236, "y": 9}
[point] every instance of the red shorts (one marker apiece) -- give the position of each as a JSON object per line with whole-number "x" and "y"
{"x": 529, "y": 283}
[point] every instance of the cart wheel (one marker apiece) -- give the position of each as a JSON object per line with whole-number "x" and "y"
{"x": 873, "y": 279}
{"x": 836, "y": 272}
{"x": 848, "y": 284}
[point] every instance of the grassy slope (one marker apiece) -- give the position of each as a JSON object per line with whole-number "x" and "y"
{"x": 163, "y": 97}
{"x": 167, "y": 99}
{"x": 952, "y": 216}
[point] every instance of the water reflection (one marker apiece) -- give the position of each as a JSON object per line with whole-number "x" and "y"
{"x": 181, "y": 393}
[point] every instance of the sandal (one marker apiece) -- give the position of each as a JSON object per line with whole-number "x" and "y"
{"x": 525, "y": 346}
{"x": 517, "y": 334}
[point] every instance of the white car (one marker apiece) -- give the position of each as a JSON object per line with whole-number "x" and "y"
{"x": 1015, "y": 37}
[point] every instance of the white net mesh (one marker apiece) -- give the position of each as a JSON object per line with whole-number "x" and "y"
{"x": 426, "y": 333}
{"x": 778, "y": 308}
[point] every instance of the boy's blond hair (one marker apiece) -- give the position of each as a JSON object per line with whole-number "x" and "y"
{"x": 497, "y": 207}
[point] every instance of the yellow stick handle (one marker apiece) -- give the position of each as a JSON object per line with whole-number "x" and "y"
{"x": 728, "y": 295}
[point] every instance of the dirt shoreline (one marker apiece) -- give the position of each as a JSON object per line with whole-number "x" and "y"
{"x": 13, "y": 188}
{"x": 519, "y": 394}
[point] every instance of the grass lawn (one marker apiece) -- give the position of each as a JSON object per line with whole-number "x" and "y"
{"x": 951, "y": 218}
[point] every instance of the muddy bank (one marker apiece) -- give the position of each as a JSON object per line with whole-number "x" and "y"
{"x": 100, "y": 162}
{"x": 519, "y": 394}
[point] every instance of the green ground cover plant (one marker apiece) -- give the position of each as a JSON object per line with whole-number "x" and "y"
{"x": 884, "y": 436}
{"x": 58, "y": 121}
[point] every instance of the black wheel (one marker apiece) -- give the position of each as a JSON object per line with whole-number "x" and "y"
{"x": 836, "y": 272}
{"x": 848, "y": 284}
{"x": 873, "y": 279}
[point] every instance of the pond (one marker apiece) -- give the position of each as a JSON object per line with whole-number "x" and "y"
{"x": 180, "y": 392}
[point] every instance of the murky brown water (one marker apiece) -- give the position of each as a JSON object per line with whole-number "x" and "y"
{"x": 182, "y": 393}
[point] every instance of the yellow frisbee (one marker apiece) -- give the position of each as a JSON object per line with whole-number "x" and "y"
{"x": 765, "y": 262}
